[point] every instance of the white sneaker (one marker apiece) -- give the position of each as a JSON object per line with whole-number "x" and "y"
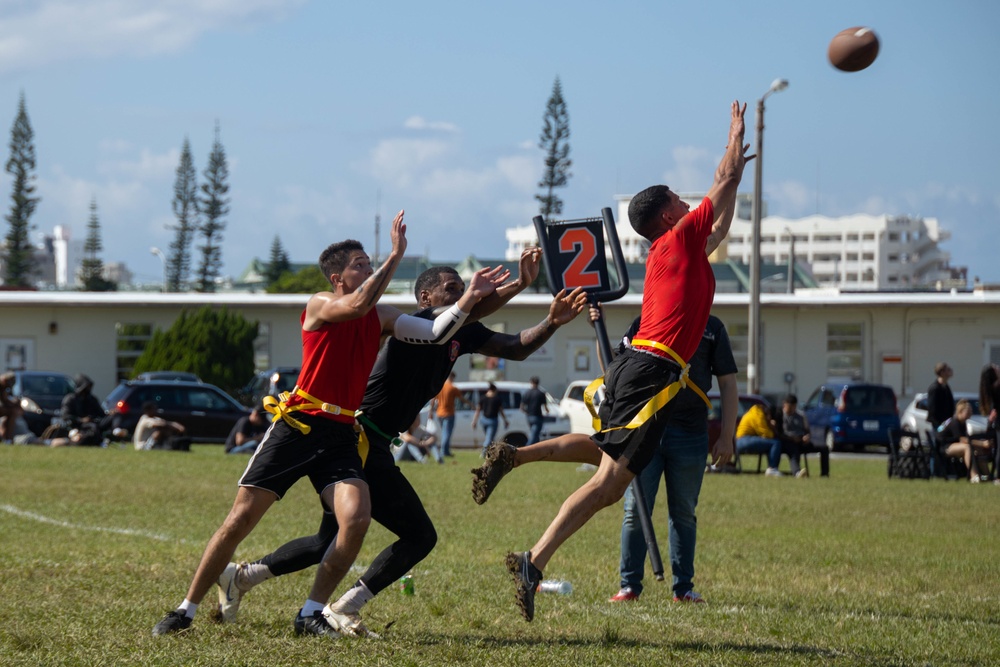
{"x": 802, "y": 473}
{"x": 230, "y": 594}
{"x": 774, "y": 472}
{"x": 349, "y": 625}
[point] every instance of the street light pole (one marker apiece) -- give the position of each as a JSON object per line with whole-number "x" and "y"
{"x": 163, "y": 260}
{"x": 753, "y": 329}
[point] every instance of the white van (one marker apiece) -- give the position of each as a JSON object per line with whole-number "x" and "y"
{"x": 464, "y": 436}
{"x": 572, "y": 405}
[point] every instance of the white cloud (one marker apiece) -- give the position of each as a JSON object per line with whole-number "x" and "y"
{"x": 419, "y": 123}
{"x": 693, "y": 169}
{"x": 47, "y": 31}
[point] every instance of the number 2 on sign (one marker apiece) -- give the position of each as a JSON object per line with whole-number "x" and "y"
{"x": 581, "y": 241}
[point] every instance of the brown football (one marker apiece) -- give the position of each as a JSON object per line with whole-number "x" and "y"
{"x": 853, "y": 49}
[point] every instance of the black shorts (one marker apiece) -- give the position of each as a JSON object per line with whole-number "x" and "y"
{"x": 329, "y": 454}
{"x": 630, "y": 381}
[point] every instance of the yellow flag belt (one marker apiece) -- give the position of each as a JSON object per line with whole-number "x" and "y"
{"x": 280, "y": 409}
{"x": 663, "y": 397}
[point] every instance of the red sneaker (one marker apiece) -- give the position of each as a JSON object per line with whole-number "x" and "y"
{"x": 624, "y": 595}
{"x": 690, "y": 596}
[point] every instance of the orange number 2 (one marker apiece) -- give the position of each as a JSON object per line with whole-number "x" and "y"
{"x": 581, "y": 241}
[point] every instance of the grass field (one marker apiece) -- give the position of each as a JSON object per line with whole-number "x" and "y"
{"x": 97, "y": 544}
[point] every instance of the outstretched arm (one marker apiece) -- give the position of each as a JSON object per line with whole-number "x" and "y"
{"x": 518, "y": 347}
{"x": 728, "y": 175}
{"x": 330, "y": 307}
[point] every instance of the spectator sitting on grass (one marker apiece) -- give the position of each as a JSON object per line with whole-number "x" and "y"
{"x": 247, "y": 432}
{"x": 153, "y": 432}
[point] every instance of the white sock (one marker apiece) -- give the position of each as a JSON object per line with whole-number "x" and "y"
{"x": 310, "y": 608}
{"x": 189, "y": 608}
{"x": 251, "y": 575}
{"x": 353, "y": 600}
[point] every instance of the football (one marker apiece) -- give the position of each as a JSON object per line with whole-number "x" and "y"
{"x": 853, "y": 49}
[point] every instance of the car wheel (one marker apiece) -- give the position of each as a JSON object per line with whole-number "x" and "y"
{"x": 830, "y": 443}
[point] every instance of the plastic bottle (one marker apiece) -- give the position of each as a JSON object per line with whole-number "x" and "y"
{"x": 555, "y": 586}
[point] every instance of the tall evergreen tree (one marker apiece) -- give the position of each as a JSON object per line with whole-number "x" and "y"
{"x": 186, "y": 211}
{"x": 213, "y": 206}
{"x": 19, "y": 255}
{"x": 555, "y": 142}
{"x": 279, "y": 263}
{"x": 92, "y": 267}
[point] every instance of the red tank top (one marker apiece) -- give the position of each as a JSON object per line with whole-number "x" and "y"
{"x": 680, "y": 285}
{"x": 336, "y": 361}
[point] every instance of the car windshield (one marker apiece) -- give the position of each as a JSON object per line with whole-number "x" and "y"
{"x": 46, "y": 385}
{"x": 869, "y": 399}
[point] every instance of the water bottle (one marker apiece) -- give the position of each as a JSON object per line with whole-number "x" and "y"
{"x": 555, "y": 586}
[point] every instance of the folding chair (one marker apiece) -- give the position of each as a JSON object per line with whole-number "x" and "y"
{"x": 913, "y": 462}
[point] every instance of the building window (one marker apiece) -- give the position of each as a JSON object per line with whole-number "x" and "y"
{"x": 844, "y": 344}
{"x": 869, "y": 236}
{"x": 131, "y": 341}
{"x": 893, "y": 258}
{"x": 893, "y": 237}
{"x": 868, "y": 256}
{"x": 262, "y": 346}
{"x": 852, "y": 237}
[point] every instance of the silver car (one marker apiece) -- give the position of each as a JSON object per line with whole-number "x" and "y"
{"x": 914, "y": 418}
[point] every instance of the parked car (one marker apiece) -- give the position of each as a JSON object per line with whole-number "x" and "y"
{"x": 166, "y": 376}
{"x": 271, "y": 382}
{"x": 555, "y": 422}
{"x": 572, "y": 405}
{"x": 915, "y": 415}
{"x": 207, "y": 413}
{"x": 41, "y": 394}
{"x": 852, "y": 415}
{"x": 745, "y": 402}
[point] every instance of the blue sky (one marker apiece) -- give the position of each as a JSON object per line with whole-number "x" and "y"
{"x": 438, "y": 106}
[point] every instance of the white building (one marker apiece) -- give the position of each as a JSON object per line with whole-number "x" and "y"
{"x": 863, "y": 252}
{"x": 854, "y": 252}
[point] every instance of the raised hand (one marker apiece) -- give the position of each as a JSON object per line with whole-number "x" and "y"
{"x": 398, "y": 235}
{"x": 565, "y": 306}
{"x": 529, "y": 265}
{"x": 485, "y": 281}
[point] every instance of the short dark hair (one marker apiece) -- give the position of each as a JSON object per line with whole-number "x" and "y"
{"x": 646, "y": 206}
{"x": 792, "y": 399}
{"x": 148, "y": 406}
{"x": 430, "y": 279}
{"x": 534, "y": 379}
{"x": 334, "y": 259}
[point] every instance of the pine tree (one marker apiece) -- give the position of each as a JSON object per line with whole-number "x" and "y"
{"x": 186, "y": 210}
{"x": 19, "y": 255}
{"x": 555, "y": 142}
{"x": 279, "y": 263}
{"x": 92, "y": 267}
{"x": 213, "y": 206}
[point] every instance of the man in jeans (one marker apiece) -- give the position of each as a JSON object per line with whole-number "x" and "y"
{"x": 532, "y": 404}
{"x": 444, "y": 410}
{"x": 680, "y": 458}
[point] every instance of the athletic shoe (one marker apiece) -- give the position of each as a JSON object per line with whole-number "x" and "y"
{"x": 174, "y": 622}
{"x": 230, "y": 594}
{"x": 526, "y": 580}
{"x": 774, "y": 472}
{"x": 625, "y": 595}
{"x": 974, "y": 479}
{"x": 349, "y": 625}
{"x": 802, "y": 473}
{"x": 314, "y": 625}
{"x": 499, "y": 461}
{"x": 690, "y": 596}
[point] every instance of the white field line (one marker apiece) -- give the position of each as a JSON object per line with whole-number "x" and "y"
{"x": 10, "y": 509}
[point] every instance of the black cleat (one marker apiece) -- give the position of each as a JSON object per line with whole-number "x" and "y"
{"x": 499, "y": 460}
{"x": 174, "y": 622}
{"x": 315, "y": 625}
{"x": 526, "y": 580}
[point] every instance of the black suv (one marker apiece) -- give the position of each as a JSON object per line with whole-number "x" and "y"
{"x": 207, "y": 413}
{"x": 271, "y": 382}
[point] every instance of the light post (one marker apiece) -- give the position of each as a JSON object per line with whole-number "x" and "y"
{"x": 753, "y": 330}
{"x": 163, "y": 260}
{"x": 790, "y": 289}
